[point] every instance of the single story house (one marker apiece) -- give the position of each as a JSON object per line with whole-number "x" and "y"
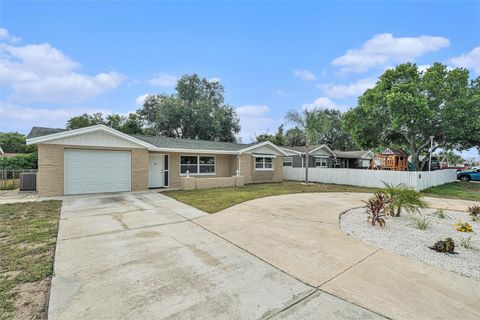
{"x": 100, "y": 159}
{"x": 322, "y": 156}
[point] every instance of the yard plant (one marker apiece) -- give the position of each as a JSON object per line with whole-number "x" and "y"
{"x": 447, "y": 245}
{"x": 474, "y": 211}
{"x": 402, "y": 198}
{"x": 376, "y": 208}
{"x": 463, "y": 226}
{"x": 422, "y": 223}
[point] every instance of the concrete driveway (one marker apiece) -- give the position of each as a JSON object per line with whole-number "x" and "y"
{"x": 299, "y": 234}
{"x": 144, "y": 256}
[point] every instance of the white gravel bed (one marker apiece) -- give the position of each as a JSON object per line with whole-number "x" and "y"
{"x": 403, "y": 237}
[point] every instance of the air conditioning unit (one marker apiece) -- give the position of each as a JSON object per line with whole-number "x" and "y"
{"x": 28, "y": 181}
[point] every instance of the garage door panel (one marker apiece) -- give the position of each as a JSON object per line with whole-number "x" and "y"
{"x": 95, "y": 171}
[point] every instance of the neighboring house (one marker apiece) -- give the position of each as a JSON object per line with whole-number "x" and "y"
{"x": 322, "y": 156}
{"x": 6, "y": 155}
{"x": 100, "y": 159}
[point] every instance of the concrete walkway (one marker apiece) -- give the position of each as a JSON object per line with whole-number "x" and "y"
{"x": 299, "y": 234}
{"x": 143, "y": 256}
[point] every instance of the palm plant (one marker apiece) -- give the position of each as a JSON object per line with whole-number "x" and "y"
{"x": 312, "y": 123}
{"x": 402, "y": 198}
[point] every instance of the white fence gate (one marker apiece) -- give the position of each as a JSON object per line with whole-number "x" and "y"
{"x": 417, "y": 180}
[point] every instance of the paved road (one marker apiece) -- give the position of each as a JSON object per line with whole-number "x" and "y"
{"x": 147, "y": 256}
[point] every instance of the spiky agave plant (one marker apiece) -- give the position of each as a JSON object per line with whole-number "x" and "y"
{"x": 376, "y": 208}
{"x": 474, "y": 211}
{"x": 402, "y": 198}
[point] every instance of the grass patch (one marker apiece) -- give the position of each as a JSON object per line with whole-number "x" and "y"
{"x": 455, "y": 190}
{"x": 214, "y": 200}
{"x": 28, "y": 233}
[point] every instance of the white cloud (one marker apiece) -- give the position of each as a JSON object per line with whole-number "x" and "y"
{"x": 304, "y": 75}
{"x": 322, "y": 103}
{"x": 141, "y": 99}
{"x": 347, "y": 90}
{"x": 469, "y": 60}
{"x": 41, "y": 73}
{"x": 164, "y": 80}
{"x": 254, "y": 120}
{"x": 252, "y": 110}
{"x": 18, "y": 118}
{"x": 383, "y": 49}
{"x": 5, "y": 36}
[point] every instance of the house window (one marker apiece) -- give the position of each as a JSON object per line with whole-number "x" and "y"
{"x": 263, "y": 163}
{"x": 321, "y": 162}
{"x": 287, "y": 161}
{"x": 197, "y": 165}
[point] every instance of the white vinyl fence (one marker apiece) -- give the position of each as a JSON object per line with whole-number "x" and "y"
{"x": 417, "y": 180}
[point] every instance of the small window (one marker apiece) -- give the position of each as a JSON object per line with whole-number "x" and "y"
{"x": 321, "y": 162}
{"x": 262, "y": 163}
{"x": 197, "y": 165}
{"x": 287, "y": 161}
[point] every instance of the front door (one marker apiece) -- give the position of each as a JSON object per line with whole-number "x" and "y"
{"x": 155, "y": 171}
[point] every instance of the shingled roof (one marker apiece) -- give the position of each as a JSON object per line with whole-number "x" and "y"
{"x": 160, "y": 141}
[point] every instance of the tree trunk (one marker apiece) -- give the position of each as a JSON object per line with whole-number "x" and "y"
{"x": 306, "y": 165}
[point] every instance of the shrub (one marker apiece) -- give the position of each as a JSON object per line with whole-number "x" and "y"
{"x": 402, "y": 198}
{"x": 440, "y": 213}
{"x": 376, "y": 208}
{"x": 446, "y": 245}
{"x": 466, "y": 242}
{"x": 463, "y": 226}
{"x": 422, "y": 223}
{"x": 20, "y": 161}
{"x": 474, "y": 211}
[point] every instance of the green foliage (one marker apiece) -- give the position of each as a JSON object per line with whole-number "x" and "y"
{"x": 131, "y": 124}
{"x": 402, "y": 198}
{"x": 278, "y": 138}
{"x": 319, "y": 126}
{"x": 450, "y": 157}
{"x": 197, "y": 111}
{"x": 440, "y": 213}
{"x": 446, "y": 245}
{"x": 466, "y": 242}
{"x": 408, "y": 106}
{"x": 376, "y": 206}
{"x": 14, "y": 142}
{"x": 294, "y": 137}
{"x": 20, "y": 161}
{"x": 421, "y": 222}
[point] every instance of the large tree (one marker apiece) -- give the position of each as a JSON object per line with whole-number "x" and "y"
{"x": 278, "y": 138}
{"x": 333, "y": 134}
{"x": 131, "y": 124}
{"x": 407, "y": 107}
{"x": 14, "y": 142}
{"x": 197, "y": 111}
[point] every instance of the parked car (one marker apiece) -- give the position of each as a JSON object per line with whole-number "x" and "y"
{"x": 469, "y": 175}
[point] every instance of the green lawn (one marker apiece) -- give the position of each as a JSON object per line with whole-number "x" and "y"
{"x": 456, "y": 190}
{"x": 28, "y": 233}
{"x": 214, "y": 200}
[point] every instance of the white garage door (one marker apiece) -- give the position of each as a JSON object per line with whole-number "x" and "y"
{"x": 95, "y": 171}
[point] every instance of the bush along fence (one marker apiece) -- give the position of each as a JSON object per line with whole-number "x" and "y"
{"x": 10, "y": 179}
{"x": 418, "y": 180}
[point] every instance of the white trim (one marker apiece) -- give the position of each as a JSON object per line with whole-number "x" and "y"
{"x": 198, "y": 165}
{"x": 263, "y": 162}
{"x": 265, "y": 143}
{"x": 259, "y": 155}
{"x": 100, "y": 127}
{"x": 323, "y": 146}
{"x": 288, "y": 151}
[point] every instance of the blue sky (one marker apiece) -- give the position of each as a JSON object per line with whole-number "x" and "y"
{"x": 59, "y": 59}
